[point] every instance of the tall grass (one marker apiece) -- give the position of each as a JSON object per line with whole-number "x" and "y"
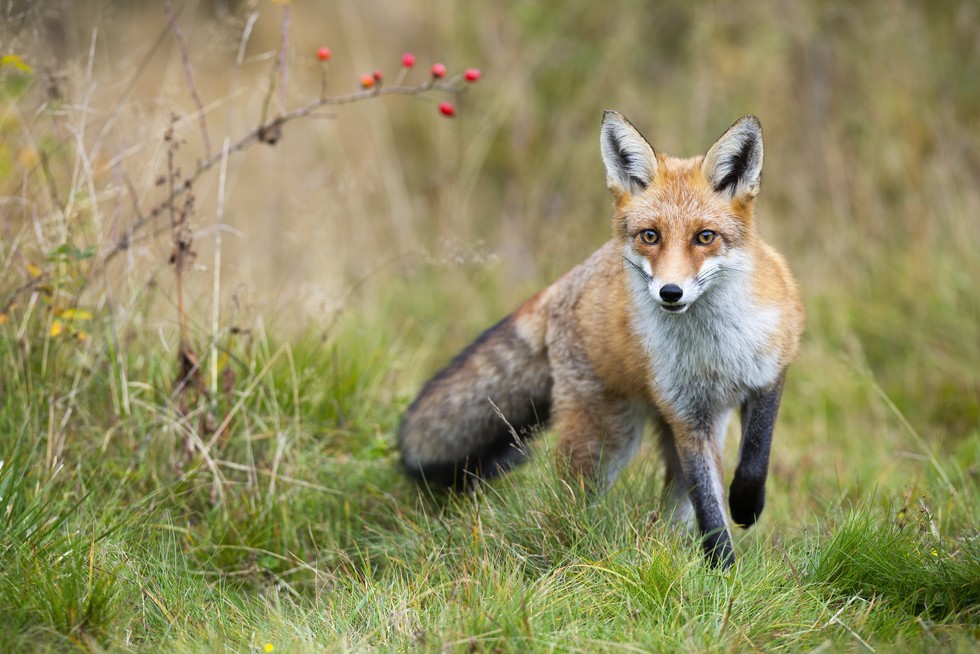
{"x": 266, "y": 508}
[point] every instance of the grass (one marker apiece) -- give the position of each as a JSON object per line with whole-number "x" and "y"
{"x": 270, "y": 511}
{"x": 315, "y": 541}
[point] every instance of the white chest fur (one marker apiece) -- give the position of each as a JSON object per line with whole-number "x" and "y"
{"x": 705, "y": 360}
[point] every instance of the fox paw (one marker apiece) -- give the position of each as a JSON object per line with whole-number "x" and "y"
{"x": 746, "y": 501}
{"x": 718, "y": 549}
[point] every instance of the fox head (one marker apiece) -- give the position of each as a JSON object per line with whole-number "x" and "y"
{"x": 683, "y": 223}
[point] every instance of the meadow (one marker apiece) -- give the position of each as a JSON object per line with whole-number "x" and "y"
{"x": 201, "y": 383}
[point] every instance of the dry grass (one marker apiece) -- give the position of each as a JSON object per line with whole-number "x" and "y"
{"x": 269, "y": 508}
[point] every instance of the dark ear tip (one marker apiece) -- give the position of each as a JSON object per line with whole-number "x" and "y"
{"x": 750, "y": 119}
{"x": 609, "y": 113}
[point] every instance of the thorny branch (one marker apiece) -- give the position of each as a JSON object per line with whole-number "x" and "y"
{"x": 270, "y": 133}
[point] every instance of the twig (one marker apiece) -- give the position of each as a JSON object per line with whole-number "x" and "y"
{"x": 278, "y": 67}
{"x": 188, "y": 386}
{"x": 283, "y": 46}
{"x": 926, "y": 628}
{"x": 792, "y": 568}
{"x": 836, "y": 620}
{"x": 30, "y": 284}
{"x": 264, "y": 112}
{"x": 189, "y": 74}
{"x": 177, "y": 228}
{"x": 260, "y": 134}
{"x": 120, "y": 102}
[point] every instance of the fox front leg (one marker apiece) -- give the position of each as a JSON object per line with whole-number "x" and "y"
{"x": 747, "y": 495}
{"x": 700, "y": 461}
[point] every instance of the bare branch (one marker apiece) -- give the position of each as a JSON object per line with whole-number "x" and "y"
{"x": 283, "y": 45}
{"x": 269, "y": 133}
{"x": 189, "y": 74}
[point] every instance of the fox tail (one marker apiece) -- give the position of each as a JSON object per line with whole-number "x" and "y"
{"x": 470, "y": 421}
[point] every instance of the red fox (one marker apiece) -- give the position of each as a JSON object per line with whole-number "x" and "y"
{"x": 684, "y": 316}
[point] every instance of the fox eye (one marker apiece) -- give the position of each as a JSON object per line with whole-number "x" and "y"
{"x": 649, "y": 237}
{"x": 705, "y": 237}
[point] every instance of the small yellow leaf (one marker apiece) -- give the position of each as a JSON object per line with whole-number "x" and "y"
{"x": 4, "y": 319}
{"x": 16, "y": 62}
{"x": 76, "y": 314}
{"x": 82, "y": 336}
{"x": 57, "y": 328}
{"x": 34, "y": 270}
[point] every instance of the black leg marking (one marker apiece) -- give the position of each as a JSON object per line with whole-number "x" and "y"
{"x": 747, "y": 495}
{"x": 698, "y": 463}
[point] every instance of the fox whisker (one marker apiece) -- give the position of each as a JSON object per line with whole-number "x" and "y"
{"x": 638, "y": 269}
{"x": 711, "y": 275}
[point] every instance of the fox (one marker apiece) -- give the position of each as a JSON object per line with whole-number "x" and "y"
{"x": 685, "y": 315}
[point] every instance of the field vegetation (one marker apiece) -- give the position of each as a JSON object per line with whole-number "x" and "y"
{"x": 201, "y": 384}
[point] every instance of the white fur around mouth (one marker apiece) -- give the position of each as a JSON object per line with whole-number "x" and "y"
{"x": 674, "y": 308}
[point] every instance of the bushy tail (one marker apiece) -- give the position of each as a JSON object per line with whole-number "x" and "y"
{"x": 462, "y": 425}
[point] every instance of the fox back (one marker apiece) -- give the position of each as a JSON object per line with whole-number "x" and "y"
{"x": 684, "y": 316}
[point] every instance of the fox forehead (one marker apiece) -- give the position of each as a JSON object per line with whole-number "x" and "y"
{"x": 679, "y": 198}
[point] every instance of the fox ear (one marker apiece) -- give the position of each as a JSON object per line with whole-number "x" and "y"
{"x": 733, "y": 165}
{"x": 630, "y": 161}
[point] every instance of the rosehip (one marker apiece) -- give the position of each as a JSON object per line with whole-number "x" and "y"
{"x": 377, "y": 76}
{"x": 323, "y": 53}
{"x": 472, "y": 74}
{"x": 438, "y": 70}
{"x": 447, "y": 109}
{"x": 367, "y": 81}
{"x": 408, "y": 60}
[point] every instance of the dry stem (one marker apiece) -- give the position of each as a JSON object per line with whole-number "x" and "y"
{"x": 265, "y": 133}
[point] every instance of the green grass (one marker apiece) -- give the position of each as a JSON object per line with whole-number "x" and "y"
{"x": 298, "y": 530}
{"x": 373, "y": 246}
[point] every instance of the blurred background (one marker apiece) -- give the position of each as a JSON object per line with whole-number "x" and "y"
{"x": 436, "y": 227}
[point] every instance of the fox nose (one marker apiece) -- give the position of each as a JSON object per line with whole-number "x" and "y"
{"x": 671, "y": 292}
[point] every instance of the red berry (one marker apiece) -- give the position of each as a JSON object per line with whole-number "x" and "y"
{"x": 438, "y": 70}
{"x": 447, "y": 109}
{"x": 323, "y": 53}
{"x": 367, "y": 81}
{"x": 377, "y": 76}
{"x": 408, "y": 60}
{"x": 472, "y": 74}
